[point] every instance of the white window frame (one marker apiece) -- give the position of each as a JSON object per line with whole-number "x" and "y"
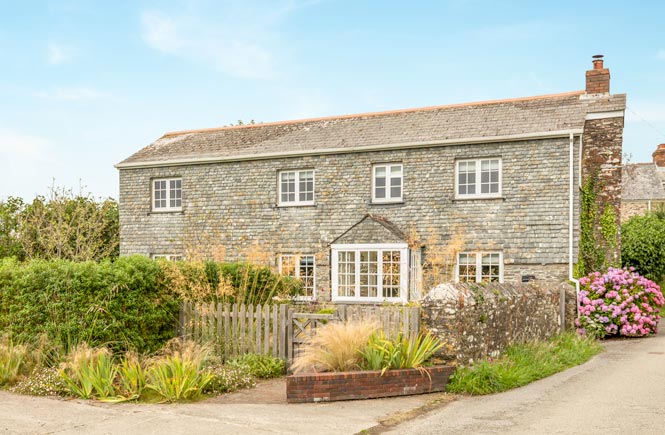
{"x": 297, "y": 201}
{"x": 296, "y": 258}
{"x": 479, "y": 263}
{"x": 167, "y": 257}
{"x": 478, "y": 194}
{"x": 388, "y": 198}
{"x": 168, "y": 207}
{"x": 404, "y": 271}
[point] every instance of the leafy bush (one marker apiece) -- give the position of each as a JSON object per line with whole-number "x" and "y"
{"x": 90, "y": 372}
{"x": 43, "y": 381}
{"x": 126, "y": 304}
{"x": 643, "y": 245}
{"x": 620, "y": 302}
{"x": 335, "y": 347}
{"x": 261, "y": 366}
{"x": 241, "y": 283}
{"x": 228, "y": 378}
{"x": 403, "y": 353}
{"x": 521, "y": 364}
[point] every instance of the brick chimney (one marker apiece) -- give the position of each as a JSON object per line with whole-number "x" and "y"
{"x": 598, "y": 78}
{"x": 659, "y": 156}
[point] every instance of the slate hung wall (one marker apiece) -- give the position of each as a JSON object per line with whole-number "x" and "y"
{"x": 230, "y": 192}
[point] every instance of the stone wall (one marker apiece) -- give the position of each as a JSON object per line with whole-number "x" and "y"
{"x": 601, "y": 157}
{"x": 231, "y": 208}
{"x": 639, "y": 207}
{"x": 476, "y": 321}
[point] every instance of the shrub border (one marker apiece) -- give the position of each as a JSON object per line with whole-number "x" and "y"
{"x": 329, "y": 387}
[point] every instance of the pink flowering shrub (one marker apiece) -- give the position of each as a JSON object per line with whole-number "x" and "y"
{"x": 619, "y": 302}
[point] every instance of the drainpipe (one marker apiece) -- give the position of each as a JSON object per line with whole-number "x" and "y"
{"x": 571, "y": 221}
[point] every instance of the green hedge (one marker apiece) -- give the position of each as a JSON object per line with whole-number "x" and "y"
{"x": 122, "y": 304}
{"x": 643, "y": 245}
{"x": 130, "y": 303}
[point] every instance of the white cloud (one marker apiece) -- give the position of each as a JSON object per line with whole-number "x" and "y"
{"x": 241, "y": 41}
{"x": 74, "y": 94}
{"x": 16, "y": 146}
{"x": 57, "y": 54}
{"x": 661, "y": 54}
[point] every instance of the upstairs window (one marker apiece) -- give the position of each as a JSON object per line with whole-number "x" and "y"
{"x": 296, "y": 187}
{"x": 479, "y": 267}
{"x": 301, "y": 267}
{"x": 167, "y": 194}
{"x": 387, "y": 183}
{"x": 478, "y": 178}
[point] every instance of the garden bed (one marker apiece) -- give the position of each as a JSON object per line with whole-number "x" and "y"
{"x": 333, "y": 386}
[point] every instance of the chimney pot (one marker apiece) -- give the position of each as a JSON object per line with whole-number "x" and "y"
{"x": 659, "y": 156}
{"x": 597, "y": 61}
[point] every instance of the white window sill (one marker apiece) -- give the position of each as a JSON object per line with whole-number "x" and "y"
{"x": 304, "y": 299}
{"x": 169, "y": 211}
{"x": 479, "y": 198}
{"x": 387, "y": 202}
{"x": 296, "y": 204}
{"x": 368, "y": 300}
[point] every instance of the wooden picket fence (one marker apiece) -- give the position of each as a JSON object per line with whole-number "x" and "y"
{"x": 280, "y": 330}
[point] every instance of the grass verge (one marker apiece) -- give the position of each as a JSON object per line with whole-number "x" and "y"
{"x": 522, "y": 364}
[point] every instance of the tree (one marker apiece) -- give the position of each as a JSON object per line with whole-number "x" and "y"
{"x": 9, "y": 243}
{"x": 64, "y": 225}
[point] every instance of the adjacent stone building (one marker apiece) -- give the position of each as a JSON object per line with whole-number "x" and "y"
{"x": 643, "y": 186}
{"x": 373, "y": 207}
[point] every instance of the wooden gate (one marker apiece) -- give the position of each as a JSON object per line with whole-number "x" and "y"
{"x": 302, "y": 326}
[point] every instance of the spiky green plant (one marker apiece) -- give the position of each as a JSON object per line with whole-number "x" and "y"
{"x": 131, "y": 378}
{"x": 178, "y": 373}
{"x": 173, "y": 378}
{"x": 12, "y": 359}
{"x": 403, "y": 353}
{"x": 90, "y": 372}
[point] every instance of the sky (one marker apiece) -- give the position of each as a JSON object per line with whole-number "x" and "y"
{"x": 85, "y": 84}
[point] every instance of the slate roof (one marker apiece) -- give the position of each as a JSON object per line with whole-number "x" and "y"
{"x": 642, "y": 181}
{"x": 372, "y": 229}
{"x": 548, "y": 113}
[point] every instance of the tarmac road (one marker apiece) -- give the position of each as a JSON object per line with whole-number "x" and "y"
{"x": 621, "y": 391}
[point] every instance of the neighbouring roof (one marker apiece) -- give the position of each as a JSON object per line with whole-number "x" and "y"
{"x": 642, "y": 181}
{"x": 490, "y": 119}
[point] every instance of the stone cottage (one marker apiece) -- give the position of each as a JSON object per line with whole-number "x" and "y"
{"x": 372, "y": 207}
{"x": 643, "y": 186}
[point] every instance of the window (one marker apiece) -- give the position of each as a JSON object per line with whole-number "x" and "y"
{"x": 387, "y": 183}
{"x": 302, "y": 267}
{"x": 168, "y": 257}
{"x": 479, "y": 267}
{"x": 296, "y": 187}
{"x": 167, "y": 194}
{"x": 478, "y": 178}
{"x": 370, "y": 272}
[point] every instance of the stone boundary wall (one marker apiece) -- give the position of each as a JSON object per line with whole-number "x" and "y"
{"x": 328, "y": 387}
{"x": 480, "y": 320}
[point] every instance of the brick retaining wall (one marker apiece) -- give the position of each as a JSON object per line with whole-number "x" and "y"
{"x": 328, "y": 387}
